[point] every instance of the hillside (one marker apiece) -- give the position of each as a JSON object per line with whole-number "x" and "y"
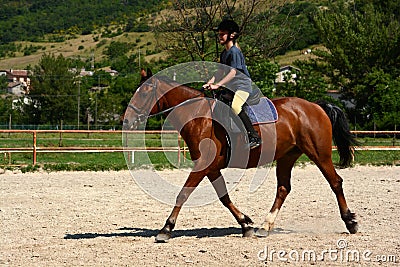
{"x": 71, "y": 27}
{"x": 34, "y": 20}
{"x": 83, "y": 46}
{"x": 84, "y": 30}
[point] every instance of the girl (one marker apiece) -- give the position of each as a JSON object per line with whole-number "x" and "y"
{"x": 228, "y": 32}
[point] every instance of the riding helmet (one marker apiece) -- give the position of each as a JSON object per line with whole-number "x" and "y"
{"x": 229, "y": 25}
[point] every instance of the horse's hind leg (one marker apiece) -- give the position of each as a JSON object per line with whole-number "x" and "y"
{"x": 325, "y": 164}
{"x": 191, "y": 183}
{"x": 283, "y": 174}
{"x": 335, "y": 182}
{"x": 219, "y": 185}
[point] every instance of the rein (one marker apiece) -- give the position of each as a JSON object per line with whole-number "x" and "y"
{"x": 195, "y": 98}
{"x": 141, "y": 114}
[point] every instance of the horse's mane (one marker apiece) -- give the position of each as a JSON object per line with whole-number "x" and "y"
{"x": 176, "y": 84}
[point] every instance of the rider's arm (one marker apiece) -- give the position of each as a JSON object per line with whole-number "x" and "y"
{"x": 212, "y": 85}
{"x": 227, "y": 78}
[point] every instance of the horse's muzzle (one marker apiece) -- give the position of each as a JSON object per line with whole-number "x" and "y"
{"x": 129, "y": 125}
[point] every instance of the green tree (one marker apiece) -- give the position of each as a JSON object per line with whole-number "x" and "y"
{"x": 109, "y": 96}
{"x": 53, "y": 97}
{"x": 117, "y": 49}
{"x": 360, "y": 39}
{"x": 5, "y": 109}
{"x": 3, "y": 84}
{"x": 187, "y": 30}
{"x": 308, "y": 82}
{"x": 263, "y": 74}
{"x": 9, "y": 109}
{"x": 24, "y": 20}
{"x": 383, "y": 109}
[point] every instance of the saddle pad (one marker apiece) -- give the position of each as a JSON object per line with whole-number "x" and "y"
{"x": 263, "y": 112}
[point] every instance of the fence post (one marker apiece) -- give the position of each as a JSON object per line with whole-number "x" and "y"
{"x": 34, "y": 147}
{"x": 179, "y": 150}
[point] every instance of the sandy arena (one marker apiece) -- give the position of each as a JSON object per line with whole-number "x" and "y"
{"x": 105, "y": 219}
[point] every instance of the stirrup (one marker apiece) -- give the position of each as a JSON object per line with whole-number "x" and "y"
{"x": 254, "y": 142}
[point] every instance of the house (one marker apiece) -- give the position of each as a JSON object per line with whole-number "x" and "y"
{"x": 85, "y": 72}
{"x": 16, "y": 88}
{"x": 18, "y": 81}
{"x": 112, "y": 72}
{"x": 280, "y": 76}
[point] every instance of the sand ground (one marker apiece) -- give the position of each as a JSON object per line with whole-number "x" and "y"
{"x": 104, "y": 219}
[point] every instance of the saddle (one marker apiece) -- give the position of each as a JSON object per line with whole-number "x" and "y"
{"x": 262, "y": 111}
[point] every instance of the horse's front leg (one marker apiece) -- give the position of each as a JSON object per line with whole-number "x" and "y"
{"x": 219, "y": 185}
{"x": 191, "y": 183}
{"x": 284, "y": 167}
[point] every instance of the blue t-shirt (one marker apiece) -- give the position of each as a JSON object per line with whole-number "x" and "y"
{"x": 235, "y": 59}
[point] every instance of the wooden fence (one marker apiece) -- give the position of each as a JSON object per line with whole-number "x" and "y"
{"x": 179, "y": 147}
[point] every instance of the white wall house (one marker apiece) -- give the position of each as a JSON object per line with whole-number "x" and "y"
{"x": 280, "y": 76}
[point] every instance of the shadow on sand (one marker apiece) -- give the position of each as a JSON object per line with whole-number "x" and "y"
{"x": 143, "y": 232}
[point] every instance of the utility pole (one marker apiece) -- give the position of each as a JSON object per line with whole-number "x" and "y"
{"x": 92, "y": 55}
{"x": 79, "y": 100}
{"x": 95, "y": 112}
{"x": 139, "y": 58}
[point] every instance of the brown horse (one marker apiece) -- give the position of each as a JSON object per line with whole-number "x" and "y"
{"x": 302, "y": 127}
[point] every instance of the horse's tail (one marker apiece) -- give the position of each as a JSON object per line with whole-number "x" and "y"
{"x": 342, "y": 136}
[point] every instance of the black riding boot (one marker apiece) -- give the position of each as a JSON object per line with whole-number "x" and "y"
{"x": 254, "y": 138}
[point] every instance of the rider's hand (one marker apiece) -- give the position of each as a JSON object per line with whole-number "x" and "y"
{"x": 211, "y": 86}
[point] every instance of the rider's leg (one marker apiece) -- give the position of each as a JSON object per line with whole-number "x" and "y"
{"x": 254, "y": 138}
{"x": 238, "y": 101}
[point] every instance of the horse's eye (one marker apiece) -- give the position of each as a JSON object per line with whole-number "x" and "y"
{"x": 145, "y": 93}
{"x": 142, "y": 91}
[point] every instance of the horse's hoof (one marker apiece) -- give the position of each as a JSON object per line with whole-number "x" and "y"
{"x": 262, "y": 233}
{"x": 351, "y": 222}
{"x": 163, "y": 237}
{"x": 352, "y": 227}
{"x": 248, "y": 231}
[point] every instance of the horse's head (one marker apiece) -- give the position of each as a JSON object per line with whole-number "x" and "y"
{"x": 143, "y": 103}
{"x": 157, "y": 94}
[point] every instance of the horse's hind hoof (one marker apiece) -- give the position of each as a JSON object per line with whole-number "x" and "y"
{"x": 163, "y": 237}
{"x": 352, "y": 226}
{"x": 262, "y": 233}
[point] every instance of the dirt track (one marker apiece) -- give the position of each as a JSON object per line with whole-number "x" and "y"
{"x": 104, "y": 219}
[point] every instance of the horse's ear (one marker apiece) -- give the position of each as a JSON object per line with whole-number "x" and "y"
{"x": 143, "y": 76}
{"x": 149, "y": 73}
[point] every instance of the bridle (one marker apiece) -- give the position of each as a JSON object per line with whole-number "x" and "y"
{"x": 141, "y": 113}
{"x": 143, "y": 116}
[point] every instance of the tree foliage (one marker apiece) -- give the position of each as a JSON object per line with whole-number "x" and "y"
{"x": 53, "y": 97}
{"x": 187, "y": 30}
{"x": 307, "y": 83}
{"x": 3, "y": 83}
{"x": 383, "y": 105}
{"x": 360, "y": 54}
{"x": 263, "y": 74}
{"x": 363, "y": 55}
{"x": 26, "y": 20}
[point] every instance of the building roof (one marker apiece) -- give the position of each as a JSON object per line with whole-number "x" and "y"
{"x": 288, "y": 67}
{"x": 19, "y": 72}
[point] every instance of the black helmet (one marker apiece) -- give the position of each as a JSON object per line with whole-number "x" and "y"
{"x": 229, "y": 25}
